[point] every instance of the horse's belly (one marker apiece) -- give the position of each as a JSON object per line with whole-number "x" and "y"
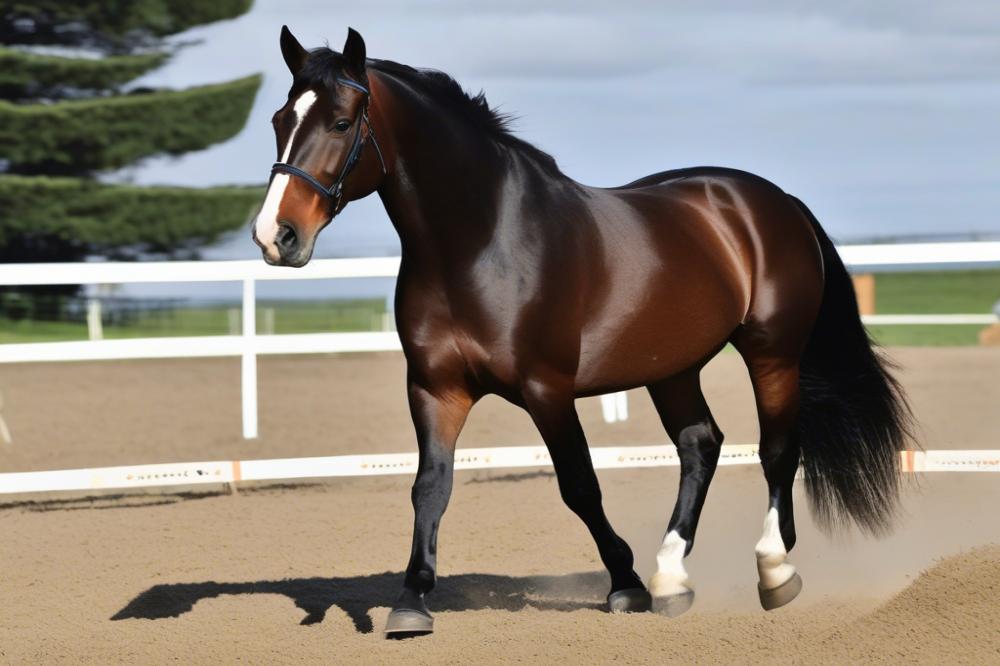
{"x": 666, "y": 294}
{"x": 662, "y": 338}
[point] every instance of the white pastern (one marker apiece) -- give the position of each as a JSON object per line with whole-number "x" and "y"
{"x": 266, "y": 225}
{"x": 670, "y": 578}
{"x": 772, "y": 567}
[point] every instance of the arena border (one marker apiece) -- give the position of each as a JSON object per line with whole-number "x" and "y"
{"x": 284, "y": 469}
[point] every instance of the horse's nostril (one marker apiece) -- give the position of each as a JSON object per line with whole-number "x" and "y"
{"x": 286, "y": 239}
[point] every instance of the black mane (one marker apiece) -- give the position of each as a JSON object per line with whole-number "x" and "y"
{"x": 323, "y": 65}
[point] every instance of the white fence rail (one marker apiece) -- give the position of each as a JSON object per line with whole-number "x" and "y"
{"x": 249, "y": 345}
{"x": 881, "y": 257}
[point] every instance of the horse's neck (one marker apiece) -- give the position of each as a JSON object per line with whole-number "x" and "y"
{"x": 443, "y": 192}
{"x": 438, "y": 199}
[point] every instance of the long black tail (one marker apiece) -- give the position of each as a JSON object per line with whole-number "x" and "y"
{"x": 853, "y": 416}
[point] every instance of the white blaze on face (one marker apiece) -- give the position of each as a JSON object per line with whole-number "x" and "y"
{"x": 266, "y": 225}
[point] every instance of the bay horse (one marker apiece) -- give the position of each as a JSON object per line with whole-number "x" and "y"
{"x": 516, "y": 280}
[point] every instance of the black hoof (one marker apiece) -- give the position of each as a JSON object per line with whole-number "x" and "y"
{"x": 781, "y": 595}
{"x": 632, "y": 600}
{"x": 674, "y": 605}
{"x": 406, "y": 623}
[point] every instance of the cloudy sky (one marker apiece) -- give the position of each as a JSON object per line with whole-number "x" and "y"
{"x": 883, "y": 116}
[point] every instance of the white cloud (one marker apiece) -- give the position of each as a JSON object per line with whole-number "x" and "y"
{"x": 882, "y": 114}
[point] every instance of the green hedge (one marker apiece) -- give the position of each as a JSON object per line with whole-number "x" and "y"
{"x": 109, "y": 24}
{"x": 84, "y": 217}
{"x": 24, "y": 75}
{"x": 109, "y": 132}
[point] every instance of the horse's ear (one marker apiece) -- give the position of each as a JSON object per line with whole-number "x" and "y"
{"x": 295, "y": 56}
{"x": 354, "y": 52}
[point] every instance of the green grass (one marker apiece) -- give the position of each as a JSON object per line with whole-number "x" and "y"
{"x": 289, "y": 317}
{"x": 953, "y": 292}
{"x": 958, "y": 292}
{"x": 962, "y": 292}
{"x": 926, "y": 336}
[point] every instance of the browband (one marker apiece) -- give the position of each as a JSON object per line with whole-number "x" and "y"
{"x": 352, "y": 84}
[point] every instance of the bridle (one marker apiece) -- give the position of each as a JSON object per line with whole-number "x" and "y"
{"x": 334, "y": 193}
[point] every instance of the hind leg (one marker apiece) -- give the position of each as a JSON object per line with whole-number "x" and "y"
{"x": 776, "y": 389}
{"x": 688, "y": 421}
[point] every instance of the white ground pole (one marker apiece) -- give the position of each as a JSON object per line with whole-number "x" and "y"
{"x": 380, "y": 464}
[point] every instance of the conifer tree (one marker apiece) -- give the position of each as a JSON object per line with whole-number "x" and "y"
{"x": 67, "y": 118}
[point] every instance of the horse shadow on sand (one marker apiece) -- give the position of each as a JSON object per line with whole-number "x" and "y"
{"x": 358, "y": 595}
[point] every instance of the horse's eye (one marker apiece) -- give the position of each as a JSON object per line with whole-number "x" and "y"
{"x": 342, "y": 125}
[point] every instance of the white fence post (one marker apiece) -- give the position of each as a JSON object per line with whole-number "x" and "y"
{"x": 249, "y": 370}
{"x": 621, "y": 404}
{"x": 609, "y": 409}
{"x": 614, "y": 407}
{"x": 95, "y": 330}
{"x": 4, "y": 430}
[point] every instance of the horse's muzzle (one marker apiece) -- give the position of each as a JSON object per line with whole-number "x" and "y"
{"x": 288, "y": 247}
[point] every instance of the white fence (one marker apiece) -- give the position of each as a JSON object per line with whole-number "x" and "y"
{"x": 249, "y": 345}
{"x": 379, "y": 464}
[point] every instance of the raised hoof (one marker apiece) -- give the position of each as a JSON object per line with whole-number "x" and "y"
{"x": 632, "y": 600}
{"x": 673, "y": 605}
{"x": 406, "y": 623}
{"x": 781, "y": 595}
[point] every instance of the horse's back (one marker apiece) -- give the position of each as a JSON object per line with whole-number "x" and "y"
{"x": 674, "y": 175}
{"x": 766, "y": 238}
{"x": 689, "y": 257}
{"x": 771, "y": 244}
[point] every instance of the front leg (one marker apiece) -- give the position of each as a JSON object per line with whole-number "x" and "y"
{"x": 438, "y": 415}
{"x": 553, "y": 411}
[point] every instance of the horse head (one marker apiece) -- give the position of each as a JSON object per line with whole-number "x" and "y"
{"x": 326, "y": 146}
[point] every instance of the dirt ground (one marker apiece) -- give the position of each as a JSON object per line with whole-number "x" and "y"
{"x": 281, "y": 574}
